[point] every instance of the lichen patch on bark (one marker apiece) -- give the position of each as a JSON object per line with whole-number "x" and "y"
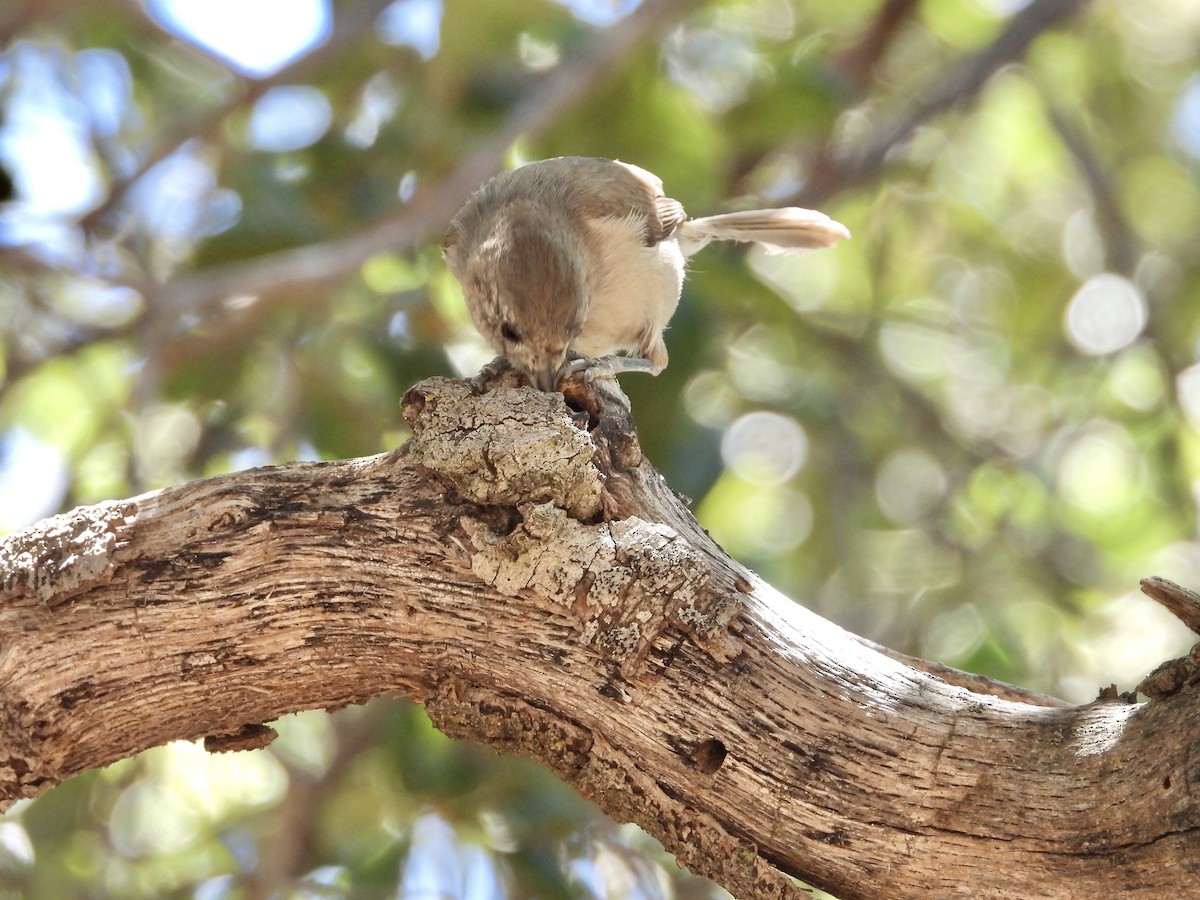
{"x": 624, "y": 580}
{"x": 526, "y": 446}
{"x": 65, "y": 553}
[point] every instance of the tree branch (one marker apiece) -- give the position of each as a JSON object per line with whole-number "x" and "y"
{"x": 1120, "y": 242}
{"x": 860, "y": 61}
{"x": 266, "y": 279}
{"x": 540, "y": 588}
{"x": 348, "y": 25}
{"x": 419, "y": 221}
{"x": 1179, "y": 601}
{"x": 835, "y": 170}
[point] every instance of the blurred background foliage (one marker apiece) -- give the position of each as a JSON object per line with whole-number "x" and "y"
{"x": 965, "y": 434}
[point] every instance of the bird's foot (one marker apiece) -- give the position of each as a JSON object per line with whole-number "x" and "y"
{"x": 588, "y": 369}
{"x": 589, "y": 385}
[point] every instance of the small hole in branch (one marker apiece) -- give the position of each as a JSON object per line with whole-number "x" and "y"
{"x": 580, "y": 404}
{"x": 709, "y": 756}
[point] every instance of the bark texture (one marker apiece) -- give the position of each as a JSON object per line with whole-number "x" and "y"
{"x": 520, "y": 569}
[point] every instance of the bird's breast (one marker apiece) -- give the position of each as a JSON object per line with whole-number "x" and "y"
{"x": 632, "y": 289}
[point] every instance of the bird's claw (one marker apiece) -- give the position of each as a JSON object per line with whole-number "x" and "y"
{"x": 588, "y": 369}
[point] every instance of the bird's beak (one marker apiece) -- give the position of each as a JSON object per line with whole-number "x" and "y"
{"x": 547, "y": 379}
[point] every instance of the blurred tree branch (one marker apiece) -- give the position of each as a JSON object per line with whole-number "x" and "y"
{"x": 541, "y": 589}
{"x": 861, "y": 61}
{"x": 1120, "y": 243}
{"x": 258, "y": 283}
{"x": 348, "y": 27}
{"x": 835, "y": 169}
{"x": 263, "y": 280}
{"x": 291, "y": 843}
{"x": 422, "y": 219}
{"x": 19, "y": 15}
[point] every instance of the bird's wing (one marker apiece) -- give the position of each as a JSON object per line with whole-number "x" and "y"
{"x": 600, "y": 188}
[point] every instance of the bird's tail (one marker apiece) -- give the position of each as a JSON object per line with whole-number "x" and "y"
{"x": 779, "y": 230}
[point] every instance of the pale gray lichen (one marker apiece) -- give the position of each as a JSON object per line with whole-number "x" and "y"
{"x": 710, "y": 619}
{"x": 620, "y": 642}
{"x": 508, "y": 446}
{"x": 549, "y": 552}
{"x": 64, "y": 553}
{"x": 623, "y": 579}
{"x": 520, "y": 449}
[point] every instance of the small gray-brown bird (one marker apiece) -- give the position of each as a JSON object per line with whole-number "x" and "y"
{"x": 567, "y": 262}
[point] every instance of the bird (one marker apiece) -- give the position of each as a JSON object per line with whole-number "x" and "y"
{"x": 575, "y": 265}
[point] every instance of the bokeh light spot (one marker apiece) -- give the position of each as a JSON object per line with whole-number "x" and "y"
{"x": 1187, "y": 387}
{"x": 1106, "y": 314}
{"x": 289, "y": 118}
{"x": 909, "y": 484}
{"x": 1185, "y": 126}
{"x": 765, "y": 447}
{"x": 1099, "y": 472}
{"x": 258, "y": 37}
{"x": 414, "y": 23}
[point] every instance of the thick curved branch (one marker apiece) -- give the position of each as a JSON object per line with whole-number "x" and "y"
{"x": 526, "y": 574}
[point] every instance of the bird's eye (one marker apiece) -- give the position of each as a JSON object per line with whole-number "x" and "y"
{"x": 509, "y": 333}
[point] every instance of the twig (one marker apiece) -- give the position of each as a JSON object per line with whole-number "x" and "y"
{"x": 1182, "y": 603}
{"x": 1118, "y": 236}
{"x": 859, "y": 62}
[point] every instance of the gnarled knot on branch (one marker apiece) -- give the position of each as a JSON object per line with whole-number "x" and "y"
{"x": 561, "y": 501}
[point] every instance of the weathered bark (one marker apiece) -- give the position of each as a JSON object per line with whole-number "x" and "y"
{"x": 532, "y": 580}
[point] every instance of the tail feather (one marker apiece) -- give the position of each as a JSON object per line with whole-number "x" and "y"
{"x": 779, "y": 230}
